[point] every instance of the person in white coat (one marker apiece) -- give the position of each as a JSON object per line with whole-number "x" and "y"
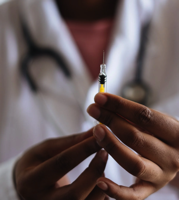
{"x": 58, "y": 108}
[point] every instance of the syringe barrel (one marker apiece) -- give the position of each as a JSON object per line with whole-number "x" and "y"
{"x": 102, "y": 78}
{"x": 102, "y": 88}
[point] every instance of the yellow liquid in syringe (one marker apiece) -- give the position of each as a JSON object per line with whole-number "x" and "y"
{"x": 101, "y": 89}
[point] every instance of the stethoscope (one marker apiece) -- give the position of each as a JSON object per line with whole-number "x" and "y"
{"x": 136, "y": 90}
{"x": 35, "y": 52}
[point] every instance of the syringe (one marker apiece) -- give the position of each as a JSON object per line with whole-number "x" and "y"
{"x": 103, "y": 76}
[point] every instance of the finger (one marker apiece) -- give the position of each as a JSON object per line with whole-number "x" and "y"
{"x": 157, "y": 123}
{"x": 144, "y": 144}
{"x": 49, "y": 148}
{"x": 55, "y": 168}
{"x": 140, "y": 190}
{"x": 44, "y": 151}
{"x": 96, "y": 194}
{"x": 130, "y": 161}
{"x": 82, "y": 187}
{"x": 53, "y": 147}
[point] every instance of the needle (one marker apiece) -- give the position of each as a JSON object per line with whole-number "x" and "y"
{"x": 103, "y": 56}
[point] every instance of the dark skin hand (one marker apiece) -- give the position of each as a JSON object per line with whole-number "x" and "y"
{"x": 87, "y": 10}
{"x": 38, "y": 171}
{"x": 153, "y": 135}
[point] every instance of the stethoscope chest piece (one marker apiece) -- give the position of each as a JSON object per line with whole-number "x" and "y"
{"x": 136, "y": 91}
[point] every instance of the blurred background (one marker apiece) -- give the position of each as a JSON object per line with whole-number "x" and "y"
{"x": 2, "y": 1}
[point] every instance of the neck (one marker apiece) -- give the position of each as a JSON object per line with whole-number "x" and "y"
{"x": 87, "y": 10}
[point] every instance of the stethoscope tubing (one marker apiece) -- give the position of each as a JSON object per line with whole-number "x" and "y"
{"x": 34, "y": 52}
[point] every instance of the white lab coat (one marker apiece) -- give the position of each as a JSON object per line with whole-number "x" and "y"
{"x": 24, "y": 123}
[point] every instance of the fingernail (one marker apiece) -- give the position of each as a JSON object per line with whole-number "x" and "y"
{"x": 99, "y": 133}
{"x": 102, "y": 185}
{"x": 94, "y": 111}
{"x": 100, "y": 99}
{"x": 104, "y": 155}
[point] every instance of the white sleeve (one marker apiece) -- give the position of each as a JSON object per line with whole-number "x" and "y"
{"x": 7, "y": 189}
